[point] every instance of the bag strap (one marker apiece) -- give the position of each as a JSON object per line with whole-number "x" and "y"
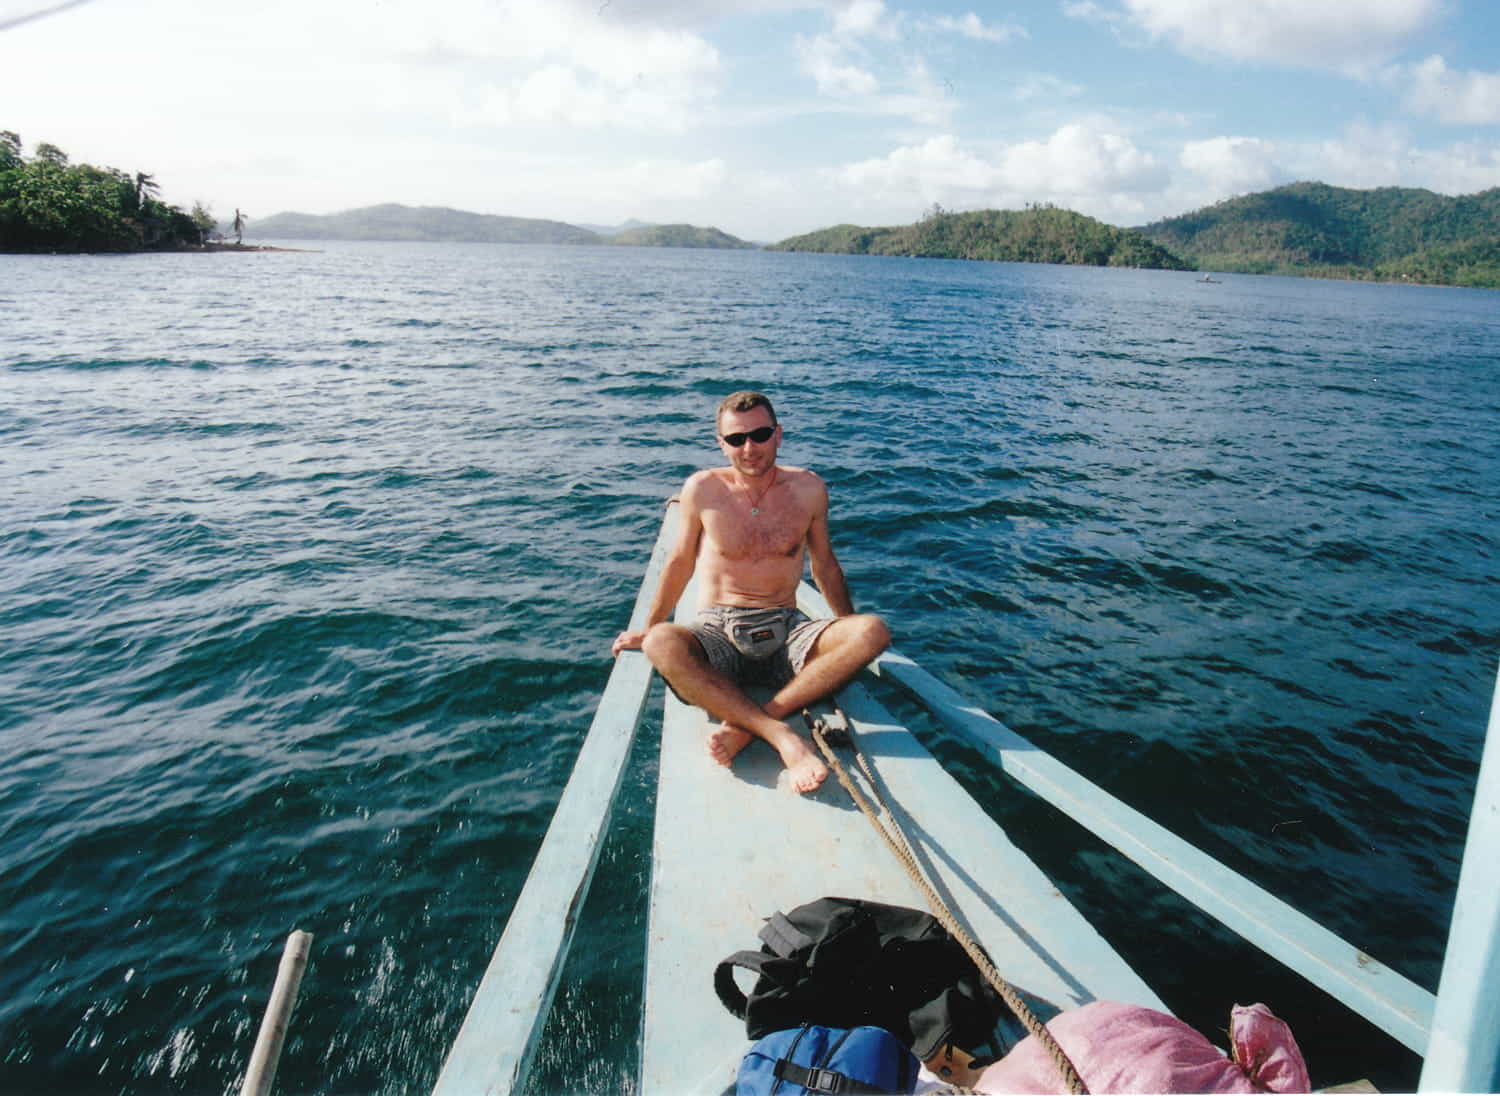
{"x": 725, "y": 986}
{"x": 816, "y": 1079}
{"x": 783, "y": 937}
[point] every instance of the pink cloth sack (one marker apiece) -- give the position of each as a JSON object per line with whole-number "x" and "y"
{"x": 1127, "y": 1048}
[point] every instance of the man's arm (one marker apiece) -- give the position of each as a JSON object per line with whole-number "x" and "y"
{"x": 826, "y": 571}
{"x": 675, "y": 572}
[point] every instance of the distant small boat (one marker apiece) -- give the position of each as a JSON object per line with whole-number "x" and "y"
{"x": 1211, "y": 281}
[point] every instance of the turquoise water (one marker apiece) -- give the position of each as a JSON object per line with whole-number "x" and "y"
{"x": 309, "y": 564}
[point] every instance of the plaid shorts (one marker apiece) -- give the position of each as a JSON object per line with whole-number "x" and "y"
{"x": 718, "y": 626}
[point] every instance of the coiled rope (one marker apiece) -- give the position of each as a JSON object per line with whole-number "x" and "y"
{"x": 896, "y": 840}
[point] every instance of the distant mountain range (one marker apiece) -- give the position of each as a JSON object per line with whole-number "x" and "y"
{"x": 438, "y": 224}
{"x": 427, "y": 223}
{"x": 615, "y": 230}
{"x": 1389, "y": 234}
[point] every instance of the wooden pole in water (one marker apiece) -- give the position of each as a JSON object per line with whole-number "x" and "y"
{"x": 267, "y": 1053}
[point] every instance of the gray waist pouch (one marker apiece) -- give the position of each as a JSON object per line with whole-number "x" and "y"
{"x": 759, "y": 635}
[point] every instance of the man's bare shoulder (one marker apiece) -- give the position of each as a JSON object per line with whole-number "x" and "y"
{"x": 803, "y": 481}
{"x": 704, "y": 483}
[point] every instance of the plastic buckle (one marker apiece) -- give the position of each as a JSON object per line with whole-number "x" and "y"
{"x": 823, "y": 1080}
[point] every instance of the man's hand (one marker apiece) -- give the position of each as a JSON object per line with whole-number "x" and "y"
{"x": 627, "y": 641}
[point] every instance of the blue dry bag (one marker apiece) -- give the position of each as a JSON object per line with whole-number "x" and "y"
{"x": 861, "y": 1061}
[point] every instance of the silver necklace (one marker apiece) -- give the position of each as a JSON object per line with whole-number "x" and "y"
{"x": 755, "y": 502}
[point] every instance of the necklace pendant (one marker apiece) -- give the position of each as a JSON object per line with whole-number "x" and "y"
{"x": 754, "y": 510}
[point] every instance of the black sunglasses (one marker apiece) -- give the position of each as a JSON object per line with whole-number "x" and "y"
{"x": 759, "y": 435}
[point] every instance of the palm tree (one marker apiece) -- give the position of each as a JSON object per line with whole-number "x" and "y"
{"x": 239, "y": 225}
{"x": 145, "y": 187}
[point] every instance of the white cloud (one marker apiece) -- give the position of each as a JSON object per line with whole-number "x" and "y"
{"x": 971, "y": 26}
{"x": 937, "y": 169}
{"x": 1079, "y": 160}
{"x": 1363, "y": 155}
{"x": 838, "y": 61}
{"x": 921, "y": 98}
{"x": 863, "y": 18}
{"x": 1457, "y": 98}
{"x": 581, "y": 188}
{"x": 1044, "y": 88}
{"x": 1078, "y": 166}
{"x": 667, "y": 13}
{"x": 398, "y": 65}
{"x": 1089, "y": 11}
{"x": 1463, "y": 168}
{"x": 559, "y": 95}
{"x": 1233, "y": 165}
{"x": 847, "y": 64}
{"x": 1366, "y": 155}
{"x": 552, "y": 64}
{"x": 824, "y": 59}
{"x": 1350, "y": 36}
{"x": 664, "y": 180}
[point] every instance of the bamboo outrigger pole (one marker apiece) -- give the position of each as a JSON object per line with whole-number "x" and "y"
{"x": 267, "y": 1053}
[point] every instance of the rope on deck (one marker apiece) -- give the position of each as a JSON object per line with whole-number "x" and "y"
{"x": 896, "y": 840}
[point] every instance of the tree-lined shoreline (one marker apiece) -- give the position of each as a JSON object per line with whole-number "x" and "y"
{"x": 49, "y": 204}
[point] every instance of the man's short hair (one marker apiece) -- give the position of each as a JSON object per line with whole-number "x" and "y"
{"x": 742, "y": 402}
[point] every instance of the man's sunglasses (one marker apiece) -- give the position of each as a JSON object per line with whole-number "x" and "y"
{"x": 759, "y": 436}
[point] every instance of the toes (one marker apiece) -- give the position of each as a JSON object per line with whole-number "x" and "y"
{"x": 726, "y": 742}
{"x": 808, "y": 776}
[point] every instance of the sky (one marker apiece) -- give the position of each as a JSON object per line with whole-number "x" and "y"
{"x": 763, "y": 118}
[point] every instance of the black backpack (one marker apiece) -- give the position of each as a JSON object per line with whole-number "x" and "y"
{"x": 844, "y": 963}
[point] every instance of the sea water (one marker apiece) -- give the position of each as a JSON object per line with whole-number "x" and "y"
{"x": 310, "y": 562}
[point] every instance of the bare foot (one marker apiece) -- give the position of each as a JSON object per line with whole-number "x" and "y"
{"x": 803, "y": 767}
{"x": 726, "y": 741}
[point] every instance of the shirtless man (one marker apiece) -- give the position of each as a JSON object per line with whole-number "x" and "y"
{"x": 746, "y": 530}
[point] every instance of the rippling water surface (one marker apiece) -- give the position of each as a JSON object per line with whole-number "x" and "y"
{"x": 309, "y": 563}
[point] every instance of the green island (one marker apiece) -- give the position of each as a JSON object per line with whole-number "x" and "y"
{"x": 1390, "y": 234}
{"x": 1038, "y": 234}
{"x": 48, "y": 204}
{"x": 677, "y": 236}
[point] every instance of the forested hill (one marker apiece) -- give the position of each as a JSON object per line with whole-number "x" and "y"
{"x": 1388, "y": 234}
{"x": 431, "y": 223}
{"x": 677, "y": 236}
{"x": 1040, "y": 234}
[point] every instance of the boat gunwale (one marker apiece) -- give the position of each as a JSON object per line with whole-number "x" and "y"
{"x": 502, "y": 1029}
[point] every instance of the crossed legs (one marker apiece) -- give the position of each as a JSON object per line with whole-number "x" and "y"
{"x": 844, "y": 648}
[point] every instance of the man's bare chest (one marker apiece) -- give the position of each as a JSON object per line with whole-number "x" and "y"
{"x": 735, "y": 534}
